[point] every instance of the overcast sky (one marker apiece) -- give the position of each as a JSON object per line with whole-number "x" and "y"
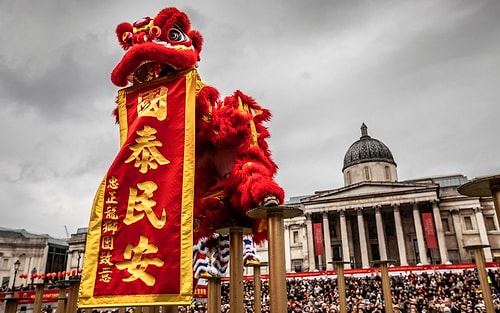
{"x": 423, "y": 75}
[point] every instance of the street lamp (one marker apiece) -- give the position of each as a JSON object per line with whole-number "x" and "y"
{"x": 33, "y": 274}
{"x": 16, "y": 268}
{"x": 80, "y": 252}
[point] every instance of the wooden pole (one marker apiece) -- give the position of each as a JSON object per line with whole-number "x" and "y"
{"x": 483, "y": 278}
{"x": 257, "y": 289}
{"x": 71, "y": 306}
{"x": 275, "y": 216}
{"x": 169, "y": 309}
{"x": 339, "y": 267}
{"x": 386, "y": 286}
{"x": 495, "y": 193}
{"x": 37, "y": 306}
{"x": 236, "y": 269}
{"x": 61, "y": 301}
{"x": 277, "y": 273}
{"x": 11, "y": 303}
{"x": 214, "y": 294}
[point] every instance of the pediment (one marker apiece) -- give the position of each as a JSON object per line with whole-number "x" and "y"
{"x": 372, "y": 189}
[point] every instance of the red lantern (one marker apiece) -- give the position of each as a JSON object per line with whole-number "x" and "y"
{"x": 59, "y": 274}
{"x": 53, "y": 275}
{"x": 73, "y": 272}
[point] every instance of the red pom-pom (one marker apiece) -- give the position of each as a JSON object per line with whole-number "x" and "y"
{"x": 155, "y": 31}
{"x": 124, "y": 33}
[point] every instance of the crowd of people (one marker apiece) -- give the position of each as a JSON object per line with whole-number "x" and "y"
{"x": 411, "y": 292}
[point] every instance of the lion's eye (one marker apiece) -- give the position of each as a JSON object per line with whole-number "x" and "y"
{"x": 175, "y": 34}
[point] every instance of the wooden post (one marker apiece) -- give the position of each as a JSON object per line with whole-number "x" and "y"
{"x": 386, "y": 284}
{"x": 257, "y": 291}
{"x": 11, "y": 301}
{"x": 37, "y": 306}
{"x": 236, "y": 269}
{"x": 484, "y": 187}
{"x": 61, "y": 301}
{"x": 214, "y": 294}
{"x": 277, "y": 263}
{"x": 169, "y": 309}
{"x": 339, "y": 268}
{"x": 71, "y": 306}
{"x": 483, "y": 279}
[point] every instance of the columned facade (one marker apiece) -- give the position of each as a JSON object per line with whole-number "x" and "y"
{"x": 374, "y": 216}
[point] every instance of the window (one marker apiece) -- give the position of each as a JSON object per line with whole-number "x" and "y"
{"x": 446, "y": 225}
{"x": 295, "y": 235}
{"x": 387, "y": 172}
{"x": 490, "y": 223}
{"x": 468, "y": 223}
{"x": 366, "y": 171}
{"x": 297, "y": 265}
{"x": 348, "y": 178}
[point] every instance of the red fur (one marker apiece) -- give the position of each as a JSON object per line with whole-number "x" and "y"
{"x": 122, "y": 29}
{"x": 143, "y": 48}
{"x": 234, "y": 170}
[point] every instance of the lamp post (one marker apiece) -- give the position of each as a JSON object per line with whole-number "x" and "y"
{"x": 80, "y": 252}
{"x": 33, "y": 274}
{"x": 16, "y": 268}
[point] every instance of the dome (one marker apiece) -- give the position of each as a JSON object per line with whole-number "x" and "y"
{"x": 367, "y": 149}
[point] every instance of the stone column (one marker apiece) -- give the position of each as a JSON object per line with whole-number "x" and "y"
{"x": 288, "y": 257}
{"x": 422, "y": 250}
{"x": 310, "y": 243}
{"x": 483, "y": 234}
{"x": 443, "y": 252}
{"x": 363, "y": 242}
{"x": 380, "y": 234}
{"x": 326, "y": 239}
{"x": 400, "y": 236}
{"x": 457, "y": 226}
{"x": 345, "y": 240}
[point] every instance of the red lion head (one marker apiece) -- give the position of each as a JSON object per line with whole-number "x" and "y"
{"x": 156, "y": 47}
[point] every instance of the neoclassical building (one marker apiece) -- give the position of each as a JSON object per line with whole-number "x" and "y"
{"x": 374, "y": 216}
{"x": 33, "y": 254}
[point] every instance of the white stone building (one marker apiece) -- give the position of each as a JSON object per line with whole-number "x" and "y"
{"x": 376, "y": 217}
{"x": 34, "y": 254}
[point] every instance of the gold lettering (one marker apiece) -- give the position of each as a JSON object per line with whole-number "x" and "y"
{"x": 145, "y": 152}
{"x": 144, "y": 204}
{"x": 107, "y": 242}
{"x": 113, "y": 182}
{"x": 105, "y": 258}
{"x": 153, "y": 103}
{"x": 105, "y": 275}
{"x": 110, "y": 213}
{"x": 109, "y": 226}
{"x": 137, "y": 264}
{"x": 111, "y": 198}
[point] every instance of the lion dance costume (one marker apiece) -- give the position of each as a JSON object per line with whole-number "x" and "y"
{"x": 234, "y": 170}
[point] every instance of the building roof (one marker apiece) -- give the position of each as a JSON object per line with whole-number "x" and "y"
{"x": 367, "y": 149}
{"x": 22, "y": 233}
